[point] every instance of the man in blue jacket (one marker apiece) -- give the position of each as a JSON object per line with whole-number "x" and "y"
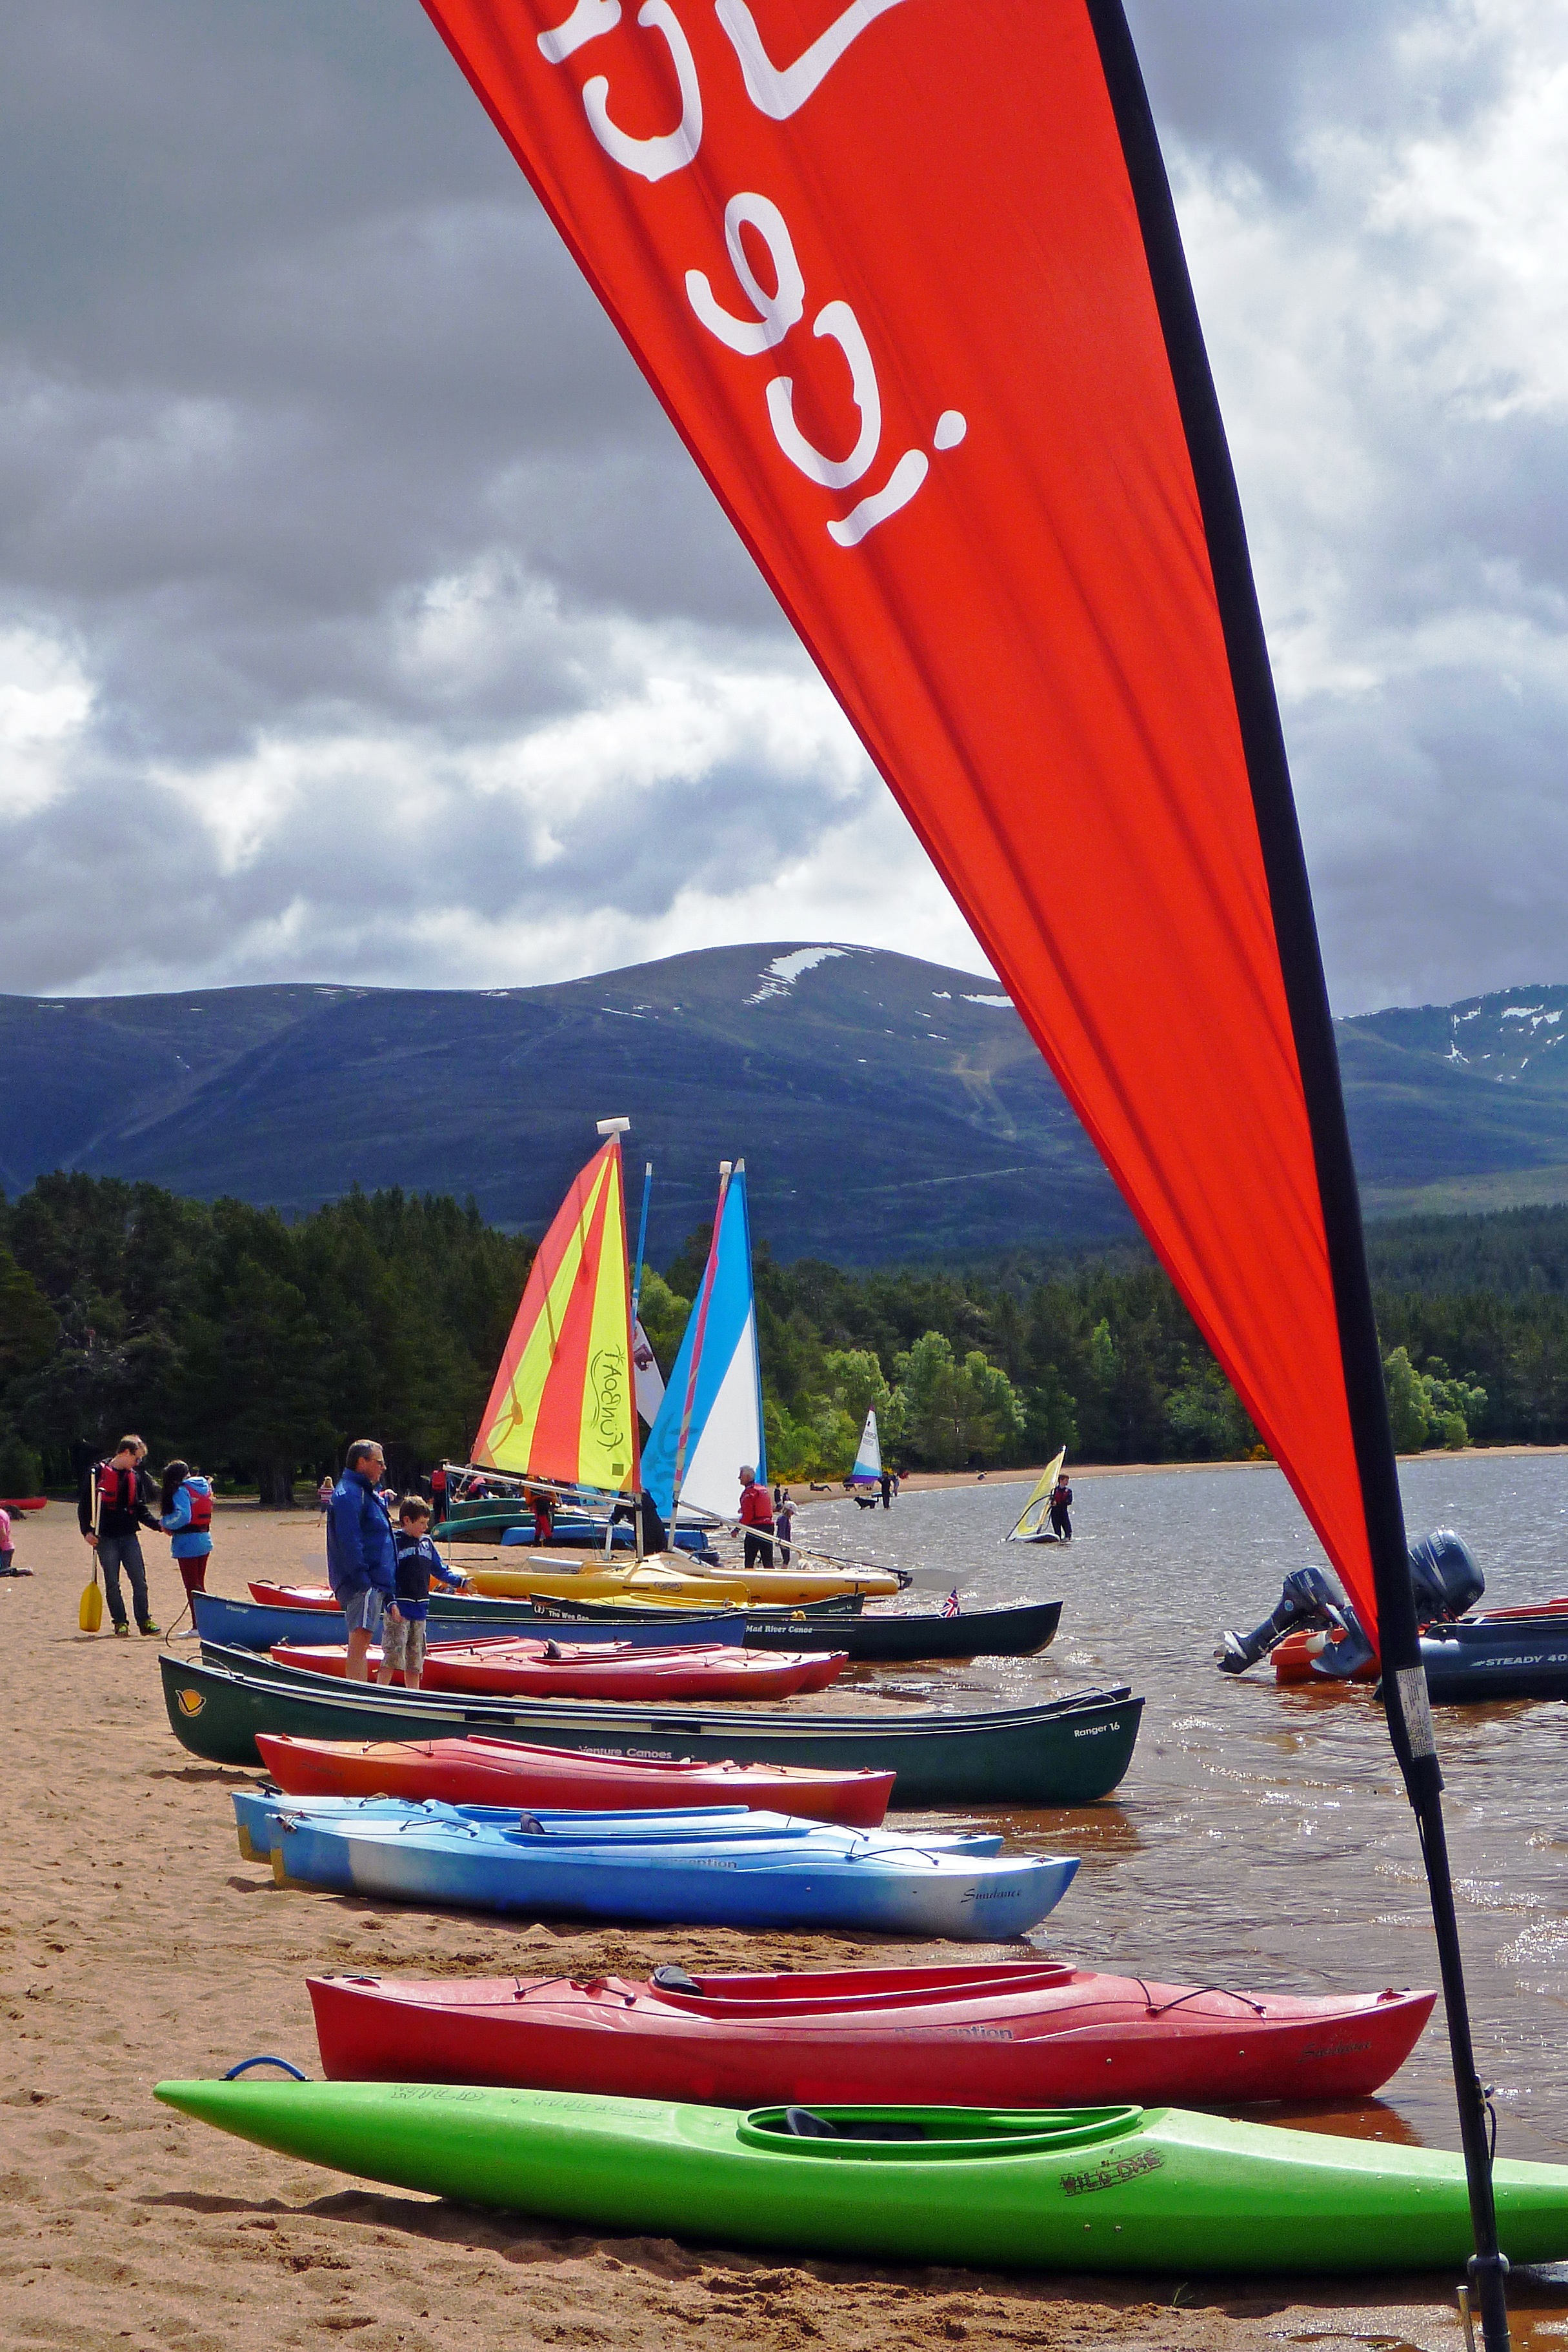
{"x": 361, "y": 1551}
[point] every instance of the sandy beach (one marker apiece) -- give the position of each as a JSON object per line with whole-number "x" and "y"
{"x": 138, "y": 1945}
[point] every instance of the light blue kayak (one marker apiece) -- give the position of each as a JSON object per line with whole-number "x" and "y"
{"x": 257, "y": 1809}
{"x": 257, "y": 1624}
{"x": 765, "y": 1872}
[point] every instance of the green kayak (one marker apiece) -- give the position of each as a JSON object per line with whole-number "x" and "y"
{"x": 1129, "y": 2189}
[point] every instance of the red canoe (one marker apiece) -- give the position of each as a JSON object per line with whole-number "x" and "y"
{"x": 509, "y": 1666}
{"x": 1021, "y": 2033}
{"x": 298, "y": 1596}
{"x": 478, "y": 1771}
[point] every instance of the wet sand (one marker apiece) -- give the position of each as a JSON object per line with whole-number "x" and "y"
{"x": 138, "y": 1945}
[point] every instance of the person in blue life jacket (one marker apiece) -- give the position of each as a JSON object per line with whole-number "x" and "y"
{"x": 361, "y": 1551}
{"x": 186, "y": 1513}
{"x": 403, "y": 1627}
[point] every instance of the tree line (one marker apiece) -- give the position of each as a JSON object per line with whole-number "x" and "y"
{"x": 259, "y": 1347}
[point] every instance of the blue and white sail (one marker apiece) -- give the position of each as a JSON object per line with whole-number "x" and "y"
{"x": 868, "y": 1470}
{"x": 711, "y": 1422}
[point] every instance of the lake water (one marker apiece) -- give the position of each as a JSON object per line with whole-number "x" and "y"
{"x": 1261, "y": 1837}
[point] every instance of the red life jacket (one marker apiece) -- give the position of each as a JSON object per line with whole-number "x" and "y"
{"x": 118, "y": 1490}
{"x": 756, "y": 1507}
{"x": 201, "y": 1507}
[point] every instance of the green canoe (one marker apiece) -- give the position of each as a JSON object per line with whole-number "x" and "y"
{"x": 1129, "y": 2188}
{"x": 1066, "y": 1751}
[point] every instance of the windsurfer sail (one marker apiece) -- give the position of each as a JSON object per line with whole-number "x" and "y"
{"x": 1030, "y": 1525}
{"x": 562, "y": 1406}
{"x": 868, "y": 1470}
{"x": 710, "y": 1421}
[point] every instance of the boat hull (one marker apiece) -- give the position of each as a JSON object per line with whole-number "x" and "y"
{"x": 504, "y": 1772}
{"x": 504, "y": 1668}
{"x": 827, "y": 1880}
{"x": 785, "y": 1585}
{"x": 1021, "y": 1632}
{"x": 259, "y": 1625}
{"x": 1069, "y": 1752}
{"x": 1035, "y": 2033}
{"x": 1128, "y": 2190}
{"x": 1521, "y": 1658}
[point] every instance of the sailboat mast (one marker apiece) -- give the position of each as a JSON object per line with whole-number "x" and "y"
{"x": 703, "y": 1301}
{"x": 1404, "y": 1692}
{"x": 642, "y": 1242}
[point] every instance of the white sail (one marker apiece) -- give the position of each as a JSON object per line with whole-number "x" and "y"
{"x": 647, "y": 1377}
{"x": 867, "y": 1467}
{"x": 1032, "y": 1517}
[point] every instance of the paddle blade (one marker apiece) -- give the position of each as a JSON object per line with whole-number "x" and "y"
{"x": 90, "y": 1616}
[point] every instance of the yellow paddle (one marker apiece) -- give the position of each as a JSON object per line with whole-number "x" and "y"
{"x": 90, "y": 1616}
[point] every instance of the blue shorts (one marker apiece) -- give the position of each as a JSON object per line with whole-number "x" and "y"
{"x": 364, "y": 1609}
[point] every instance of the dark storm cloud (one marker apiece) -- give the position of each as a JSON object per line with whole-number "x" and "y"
{"x": 340, "y": 538}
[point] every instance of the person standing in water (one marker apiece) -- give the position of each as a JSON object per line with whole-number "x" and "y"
{"x": 186, "y": 1513}
{"x": 783, "y": 1521}
{"x": 1061, "y": 1508}
{"x": 886, "y": 1484}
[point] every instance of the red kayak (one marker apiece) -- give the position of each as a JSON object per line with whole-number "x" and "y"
{"x": 24, "y": 1502}
{"x": 513, "y": 1667}
{"x": 298, "y": 1596}
{"x": 478, "y": 1771}
{"x": 1020, "y": 2033}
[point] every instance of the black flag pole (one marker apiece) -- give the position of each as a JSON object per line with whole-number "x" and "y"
{"x": 1404, "y": 1696}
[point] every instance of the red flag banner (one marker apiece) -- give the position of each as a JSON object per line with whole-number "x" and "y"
{"x": 905, "y": 275}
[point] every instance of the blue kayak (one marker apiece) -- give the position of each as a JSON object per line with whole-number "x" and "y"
{"x": 257, "y": 1811}
{"x": 259, "y": 1624}
{"x": 768, "y": 1872}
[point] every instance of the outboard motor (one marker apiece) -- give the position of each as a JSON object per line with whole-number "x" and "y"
{"x": 1445, "y": 1577}
{"x": 1312, "y": 1597}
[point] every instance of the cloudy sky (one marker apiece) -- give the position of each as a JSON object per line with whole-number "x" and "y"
{"x": 360, "y": 618}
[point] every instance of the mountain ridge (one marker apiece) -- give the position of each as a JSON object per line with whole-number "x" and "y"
{"x": 888, "y": 1107}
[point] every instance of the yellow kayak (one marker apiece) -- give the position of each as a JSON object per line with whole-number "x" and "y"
{"x": 601, "y": 1581}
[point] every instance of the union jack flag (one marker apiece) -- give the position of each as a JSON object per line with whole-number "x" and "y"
{"x": 950, "y": 1606}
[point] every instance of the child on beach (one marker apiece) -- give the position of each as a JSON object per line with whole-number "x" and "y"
{"x": 403, "y": 1628}
{"x": 186, "y": 1513}
{"x": 7, "y": 1556}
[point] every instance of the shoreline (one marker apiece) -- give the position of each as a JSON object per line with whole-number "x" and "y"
{"x": 139, "y": 1945}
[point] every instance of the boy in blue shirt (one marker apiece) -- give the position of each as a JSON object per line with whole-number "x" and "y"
{"x": 403, "y": 1627}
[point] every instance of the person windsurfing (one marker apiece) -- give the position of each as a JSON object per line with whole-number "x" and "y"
{"x": 1061, "y": 1509}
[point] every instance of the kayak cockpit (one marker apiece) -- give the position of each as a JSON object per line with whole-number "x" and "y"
{"x": 933, "y": 2132}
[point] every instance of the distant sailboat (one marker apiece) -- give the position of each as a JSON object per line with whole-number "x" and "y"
{"x": 1030, "y": 1525}
{"x": 868, "y": 1470}
{"x": 710, "y": 1421}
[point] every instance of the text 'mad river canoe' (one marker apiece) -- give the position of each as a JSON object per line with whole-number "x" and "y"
{"x": 1087, "y": 2188}
{"x": 1066, "y": 1751}
{"x": 1037, "y": 2030}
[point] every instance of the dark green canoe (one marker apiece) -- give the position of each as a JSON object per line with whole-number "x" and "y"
{"x": 1066, "y": 1751}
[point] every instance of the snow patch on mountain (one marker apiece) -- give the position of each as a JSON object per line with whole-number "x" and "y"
{"x": 784, "y": 971}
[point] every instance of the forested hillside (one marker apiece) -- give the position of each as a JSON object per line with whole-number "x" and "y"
{"x": 259, "y": 1347}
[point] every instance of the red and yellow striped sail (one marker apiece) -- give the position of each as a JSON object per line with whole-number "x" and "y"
{"x": 561, "y": 1407}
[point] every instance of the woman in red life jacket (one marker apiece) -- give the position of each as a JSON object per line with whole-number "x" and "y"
{"x": 756, "y": 1518}
{"x": 185, "y": 1512}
